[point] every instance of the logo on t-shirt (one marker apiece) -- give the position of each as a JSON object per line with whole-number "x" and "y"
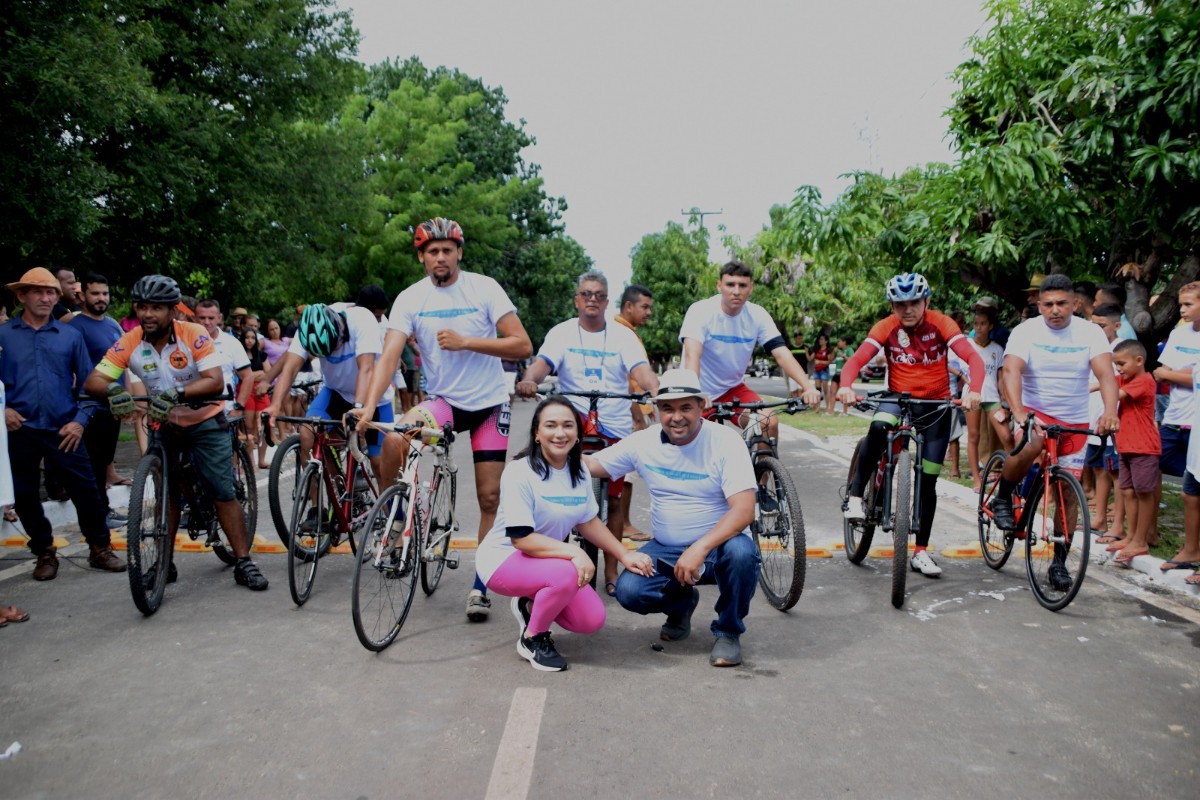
{"x": 178, "y": 359}
{"x": 446, "y": 313}
{"x": 569, "y": 500}
{"x": 678, "y": 474}
{"x": 1056, "y": 348}
{"x": 721, "y": 337}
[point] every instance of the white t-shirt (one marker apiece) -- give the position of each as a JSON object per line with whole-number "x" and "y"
{"x": 595, "y": 361}
{"x": 728, "y": 342}
{"x": 552, "y": 507}
{"x": 993, "y": 360}
{"x": 1182, "y": 351}
{"x": 471, "y": 306}
{"x": 233, "y": 358}
{"x": 1057, "y": 365}
{"x": 1193, "y": 449}
{"x": 340, "y": 368}
{"x": 689, "y": 485}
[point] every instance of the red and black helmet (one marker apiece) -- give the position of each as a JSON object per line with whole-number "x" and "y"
{"x": 437, "y": 229}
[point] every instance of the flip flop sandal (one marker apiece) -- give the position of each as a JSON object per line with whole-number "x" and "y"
{"x": 1193, "y": 579}
{"x": 1126, "y": 559}
{"x": 1108, "y": 538}
{"x": 1171, "y": 564}
{"x": 7, "y": 616}
{"x": 10, "y": 515}
{"x": 610, "y": 588}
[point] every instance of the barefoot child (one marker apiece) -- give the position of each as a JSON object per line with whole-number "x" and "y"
{"x": 1102, "y": 456}
{"x": 1139, "y": 447}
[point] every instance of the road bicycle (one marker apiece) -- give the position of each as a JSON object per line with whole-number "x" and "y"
{"x": 330, "y": 502}
{"x": 891, "y": 496}
{"x": 407, "y": 533}
{"x": 778, "y": 526}
{"x": 285, "y": 470}
{"x": 150, "y": 541}
{"x": 1048, "y": 506}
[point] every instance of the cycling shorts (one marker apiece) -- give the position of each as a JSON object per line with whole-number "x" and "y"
{"x": 1072, "y": 447}
{"x": 488, "y": 426}
{"x": 328, "y": 404}
{"x": 934, "y": 427}
{"x": 742, "y": 393}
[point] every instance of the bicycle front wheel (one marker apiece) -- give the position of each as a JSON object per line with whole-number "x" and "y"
{"x": 245, "y": 491}
{"x": 385, "y": 574}
{"x": 150, "y": 543}
{"x": 1056, "y": 554}
{"x": 995, "y": 542}
{"x": 778, "y": 530}
{"x": 310, "y": 533}
{"x": 902, "y": 508}
{"x": 440, "y": 527}
{"x": 282, "y": 480}
{"x": 858, "y": 533}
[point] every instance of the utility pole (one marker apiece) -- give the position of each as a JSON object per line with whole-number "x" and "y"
{"x": 696, "y": 212}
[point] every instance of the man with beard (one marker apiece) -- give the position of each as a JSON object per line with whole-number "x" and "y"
{"x": 100, "y": 332}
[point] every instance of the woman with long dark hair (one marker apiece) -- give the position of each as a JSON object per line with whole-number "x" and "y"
{"x": 544, "y": 493}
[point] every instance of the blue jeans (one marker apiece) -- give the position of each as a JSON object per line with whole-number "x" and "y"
{"x": 733, "y": 567}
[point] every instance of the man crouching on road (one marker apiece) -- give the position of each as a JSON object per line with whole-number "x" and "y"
{"x": 701, "y": 485}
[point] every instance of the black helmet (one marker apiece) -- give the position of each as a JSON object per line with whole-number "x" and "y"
{"x": 156, "y": 289}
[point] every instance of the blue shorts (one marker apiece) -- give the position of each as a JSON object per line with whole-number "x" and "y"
{"x": 821, "y": 375}
{"x": 1191, "y": 486}
{"x": 1102, "y": 457}
{"x": 328, "y": 404}
{"x": 1173, "y": 460}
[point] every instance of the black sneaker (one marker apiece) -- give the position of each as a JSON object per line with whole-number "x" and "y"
{"x": 1060, "y": 578}
{"x": 522, "y": 608}
{"x": 309, "y": 523}
{"x": 245, "y": 573}
{"x": 172, "y": 574}
{"x": 676, "y": 628}
{"x": 767, "y": 502}
{"x": 540, "y": 652}
{"x": 1002, "y": 513}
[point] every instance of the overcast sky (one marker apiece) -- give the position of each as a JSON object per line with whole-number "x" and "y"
{"x": 642, "y": 109}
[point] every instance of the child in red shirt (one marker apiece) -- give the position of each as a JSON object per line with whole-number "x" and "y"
{"x": 1139, "y": 447}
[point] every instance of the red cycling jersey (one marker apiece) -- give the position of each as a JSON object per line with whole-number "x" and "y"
{"x": 916, "y": 358}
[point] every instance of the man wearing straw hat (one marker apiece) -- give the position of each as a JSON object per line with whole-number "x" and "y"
{"x": 43, "y": 363}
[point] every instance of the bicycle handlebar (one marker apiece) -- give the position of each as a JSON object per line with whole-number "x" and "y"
{"x": 644, "y": 397}
{"x": 729, "y": 409}
{"x": 190, "y": 402}
{"x": 1052, "y": 431}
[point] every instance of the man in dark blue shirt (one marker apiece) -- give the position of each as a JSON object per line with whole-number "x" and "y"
{"x": 100, "y": 332}
{"x": 43, "y": 364}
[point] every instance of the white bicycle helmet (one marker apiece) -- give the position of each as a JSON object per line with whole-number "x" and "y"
{"x": 907, "y": 286}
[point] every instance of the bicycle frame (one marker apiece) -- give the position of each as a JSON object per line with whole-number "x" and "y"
{"x": 427, "y": 443}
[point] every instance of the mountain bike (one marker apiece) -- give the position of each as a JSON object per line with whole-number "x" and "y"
{"x": 285, "y": 470}
{"x": 407, "y": 533}
{"x": 150, "y": 542}
{"x": 332, "y": 498}
{"x": 1047, "y": 506}
{"x": 778, "y": 526}
{"x": 891, "y": 496}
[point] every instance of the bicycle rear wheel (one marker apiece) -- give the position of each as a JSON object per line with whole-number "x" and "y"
{"x": 902, "y": 509}
{"x": 858, "y": 533}
{"x": 245, "y": 491}
{"x": 148, "y": 535}
{"x": 310, "y": 533}
{"x": 778, "y": 529}
{"x": 995, "y": 542}
{"x": 1056, "y": 555}
{"x": 385, "y": 574}
{"x": 440, "y": 526}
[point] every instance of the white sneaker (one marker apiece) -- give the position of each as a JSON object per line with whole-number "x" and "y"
{"x": 854, "y": 508}
{"x": 923, "y": 564}
{"x": 478, "y": 606}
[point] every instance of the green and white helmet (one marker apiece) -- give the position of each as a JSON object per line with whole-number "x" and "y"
{"x": 320, "y": 329}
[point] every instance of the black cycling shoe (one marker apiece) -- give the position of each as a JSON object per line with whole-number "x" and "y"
{"x": 149, "y": 575}
{"x": 1060, "y": 578}
{"x": 245, "y": 573}
{"x": 172, "y": 573}
{"x": 1002, "y": 513}
{"x": 767, "y": 502}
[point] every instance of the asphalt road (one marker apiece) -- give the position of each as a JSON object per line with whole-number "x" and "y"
{"x": 971, "y": 690}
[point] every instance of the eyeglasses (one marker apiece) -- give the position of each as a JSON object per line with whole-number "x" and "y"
{"x": 593, "y": 295}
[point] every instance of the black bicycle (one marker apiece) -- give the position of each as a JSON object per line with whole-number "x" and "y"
{"x": 150, "y": 541}
{"x": 891, "y": 498}
{"x": 778, "y": 526}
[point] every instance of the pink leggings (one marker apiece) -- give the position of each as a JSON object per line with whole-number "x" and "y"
{"x": 553, "y": 583}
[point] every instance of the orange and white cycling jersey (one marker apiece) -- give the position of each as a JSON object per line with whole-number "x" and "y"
{"x": 188, "y": 352}
{"x": 916, "y": 359}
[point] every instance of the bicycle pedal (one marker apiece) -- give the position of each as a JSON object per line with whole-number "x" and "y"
{"x": 452, "y": 560}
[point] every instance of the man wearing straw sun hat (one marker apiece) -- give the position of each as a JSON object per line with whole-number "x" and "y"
{"x": 43, "y": 363}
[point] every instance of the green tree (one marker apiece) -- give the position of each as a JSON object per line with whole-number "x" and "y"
{"x": 674, "y": 266}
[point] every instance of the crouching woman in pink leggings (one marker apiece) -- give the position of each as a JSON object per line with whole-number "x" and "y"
{"x": 544, "y": 493}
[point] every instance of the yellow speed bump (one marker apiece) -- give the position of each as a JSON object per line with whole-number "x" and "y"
{"x": 463, "y": 544}
{"x": 962, "y": 551}
{"x": 21, "y": 540}
{"x": 886, "y": 551}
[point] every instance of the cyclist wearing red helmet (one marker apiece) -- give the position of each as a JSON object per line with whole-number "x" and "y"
{"x": 456, "y": 316}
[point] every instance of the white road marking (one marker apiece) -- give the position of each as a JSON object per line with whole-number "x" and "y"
{"x": 512, "y": 771}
